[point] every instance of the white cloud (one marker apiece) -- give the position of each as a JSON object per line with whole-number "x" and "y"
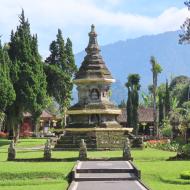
{"x": 75, "y": 16}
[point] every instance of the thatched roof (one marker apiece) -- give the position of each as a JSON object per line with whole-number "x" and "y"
{"x": 145, "y": 115}
{"x": 44, "y": 114}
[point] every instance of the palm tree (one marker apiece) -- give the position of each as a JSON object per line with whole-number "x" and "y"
{"x": 156, "y": 69}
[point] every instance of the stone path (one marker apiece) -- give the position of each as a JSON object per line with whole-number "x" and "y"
{"x": 107, "y": 185}
{"x": 106, "y": 175}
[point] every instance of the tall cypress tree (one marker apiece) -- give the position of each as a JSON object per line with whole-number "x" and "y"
{"x": 26, "y": 73}
{"x": 161, "y": 108}
{"x": 71, "y": 69}
{"x": 7, "y": 93}
{"x": 129, "y": 108}
{"x": 185, "y": 28}
{"x": 167, "y": 100}
{"x": 133, "y": 101}
{"x": 60, "y": 68}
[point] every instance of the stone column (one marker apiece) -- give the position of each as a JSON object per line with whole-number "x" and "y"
{"x": 11, "y": 151}
{"x": 82, "y": 150}
{"x": 47, "y": 150}
{"x": 127, "y": 150}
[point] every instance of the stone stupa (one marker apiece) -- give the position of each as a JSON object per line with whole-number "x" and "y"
{"x": 94, "y": 117}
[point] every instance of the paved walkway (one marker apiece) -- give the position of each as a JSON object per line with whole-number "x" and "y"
{"x": 106, "y": 175}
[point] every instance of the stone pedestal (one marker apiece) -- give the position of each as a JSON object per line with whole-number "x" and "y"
{"x": 127, "y": 150}
{"x": 11, "y": 151}
{"x": 82, "y": 150}
{"x": 47, "y": 150}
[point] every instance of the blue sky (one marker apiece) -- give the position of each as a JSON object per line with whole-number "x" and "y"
{"x": 114, "y": 19}
{"x": 143, "y": 7}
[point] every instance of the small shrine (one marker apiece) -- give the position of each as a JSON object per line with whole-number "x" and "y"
{"x": 94, "y": 117}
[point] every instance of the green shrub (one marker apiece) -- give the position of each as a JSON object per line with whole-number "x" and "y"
{"x": 186, "y": 149}
{"x": 166, "y": 131}
{"x": 185, "y": 175}
{"x": 31, "y": 175}
{"x": 180, "y": 140}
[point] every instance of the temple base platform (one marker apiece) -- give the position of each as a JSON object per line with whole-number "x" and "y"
{"x": 95, "y": 138}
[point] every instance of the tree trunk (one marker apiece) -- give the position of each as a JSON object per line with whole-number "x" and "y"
{"x": 36, "y": 126}
{"x": 16, "y": 133}
{"x": 2, "y": 118}
{"x": 156, "y": 132}
{"x": 65, "y": 117}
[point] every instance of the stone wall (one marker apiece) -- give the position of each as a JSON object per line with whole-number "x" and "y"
{"x": 94, "y": 140}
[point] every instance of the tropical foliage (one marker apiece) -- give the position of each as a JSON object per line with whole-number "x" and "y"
{"x": 26, "y": 83}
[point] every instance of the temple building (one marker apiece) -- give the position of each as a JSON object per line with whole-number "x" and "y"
{"x": 94, "y": 117}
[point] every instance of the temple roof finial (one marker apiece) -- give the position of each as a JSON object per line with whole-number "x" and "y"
{"x": 92, "y": 28}
{"x": 93, "y": 65}
{"x": 92, "y": 47}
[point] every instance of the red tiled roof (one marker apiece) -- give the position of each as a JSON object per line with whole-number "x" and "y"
{"x": 145, "y": 115}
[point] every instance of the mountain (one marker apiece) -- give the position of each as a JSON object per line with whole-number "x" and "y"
{"x": 133, "y": 56}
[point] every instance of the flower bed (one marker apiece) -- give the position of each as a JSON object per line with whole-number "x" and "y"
{"x": 164, "y": 144}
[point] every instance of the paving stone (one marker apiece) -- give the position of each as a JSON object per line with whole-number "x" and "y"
{"x": 103, "y": 176}
{"x": 107, "y": 185}
{"x": 104, "y": 165}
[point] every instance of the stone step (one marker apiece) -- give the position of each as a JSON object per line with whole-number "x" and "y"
{"x": 111, "y": 185}
{"x": 71, "y": 141}
{"x": 105, "y": 170}
{"x": 104, "y": 176}
{"x": 104, "y": 165}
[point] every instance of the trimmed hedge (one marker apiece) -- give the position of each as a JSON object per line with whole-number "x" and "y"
{"x": 185, "y": 175}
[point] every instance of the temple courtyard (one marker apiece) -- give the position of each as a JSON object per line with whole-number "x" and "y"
{"x": 29, "y": 171}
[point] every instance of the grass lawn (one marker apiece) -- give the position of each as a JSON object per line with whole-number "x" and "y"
{"x": 157, "y": 173}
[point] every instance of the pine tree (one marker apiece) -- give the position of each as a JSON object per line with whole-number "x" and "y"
{"x": 71, "y": 69}
{"x": 133, "y": 101}
{"x": 123, "y": 104}
{"x": 27, "y": 74}
{"x": 60, "y": 68}
{"x": 7, "y": 93}
{"x": 161, "y": 108}
{"x": 185, "y": 28}
{"x": 129, "y": 109}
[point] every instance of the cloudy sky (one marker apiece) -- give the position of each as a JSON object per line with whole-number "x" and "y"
{"x": 114, "y": 19}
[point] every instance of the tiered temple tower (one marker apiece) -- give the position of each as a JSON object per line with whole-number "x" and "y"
{"x": 94, "y": 117}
